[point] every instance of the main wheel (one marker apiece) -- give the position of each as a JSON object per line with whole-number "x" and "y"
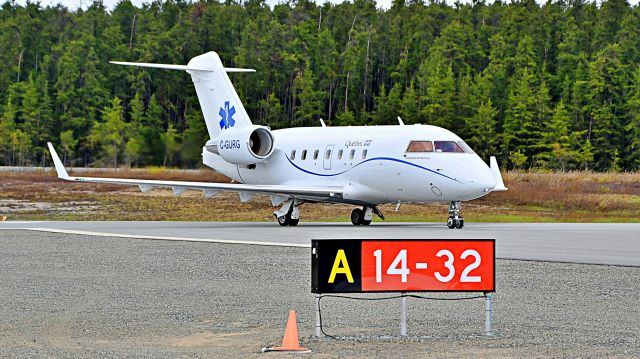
{"x": 284, "y": 220}
{"x": 357, "y": 216}
{"x": 460, "y": 223}
{"x": 293, "y": 222}
{"x": 451, "y": 223}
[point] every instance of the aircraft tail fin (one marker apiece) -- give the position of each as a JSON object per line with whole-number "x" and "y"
{"x": 220, "y": 104}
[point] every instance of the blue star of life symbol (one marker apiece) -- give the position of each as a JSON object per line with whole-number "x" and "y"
{"x": 227, "y": 116}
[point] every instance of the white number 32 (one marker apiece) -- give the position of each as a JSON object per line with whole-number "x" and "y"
{"x": 465, "y": 277}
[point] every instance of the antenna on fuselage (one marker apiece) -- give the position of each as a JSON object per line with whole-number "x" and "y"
{"x": 400, "y": 122}
{"x": 322, "y": 122}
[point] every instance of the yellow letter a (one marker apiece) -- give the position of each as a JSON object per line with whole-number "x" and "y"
{"x": 340, "y": 266}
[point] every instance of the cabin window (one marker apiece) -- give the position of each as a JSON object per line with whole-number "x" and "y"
{"x": 304, "y": 155}
{"x": 340, "y": 154}
{"x": 447, "y": 146}
{"x": 327, "y": 155}
{"x": 293, "y": 155}
{"x": 352, "y": 154}
{"x": 420, "y": 146}
{"x": 364, "y": 154}
{"x": 315, "y": 154}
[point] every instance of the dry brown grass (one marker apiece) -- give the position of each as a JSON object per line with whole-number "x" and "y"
{"x": 573, "y": 191}
{"x": 567, "y": 197}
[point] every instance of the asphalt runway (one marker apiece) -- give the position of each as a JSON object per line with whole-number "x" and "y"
{"x": 591, "y": 243}
{"x": 79, "y": 296}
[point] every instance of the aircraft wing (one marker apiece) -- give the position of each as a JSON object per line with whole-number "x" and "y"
{"x": 279, "y": 193}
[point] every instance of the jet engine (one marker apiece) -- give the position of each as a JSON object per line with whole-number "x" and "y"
{"x": 245, "y": 145}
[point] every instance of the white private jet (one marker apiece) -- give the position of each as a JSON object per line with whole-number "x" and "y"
{"x": 363, "y": 166}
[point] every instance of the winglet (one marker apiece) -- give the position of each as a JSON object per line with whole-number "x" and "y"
{"x": 62, "y": 173}
{"x": 493, "y": 165}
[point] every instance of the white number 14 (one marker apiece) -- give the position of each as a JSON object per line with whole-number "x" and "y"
{"x": 398, "y": 266}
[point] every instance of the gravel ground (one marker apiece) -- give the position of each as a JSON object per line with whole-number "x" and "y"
{"x": 69, "y": 296}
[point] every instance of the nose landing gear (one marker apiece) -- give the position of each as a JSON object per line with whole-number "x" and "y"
{"x": 455, "y": 220}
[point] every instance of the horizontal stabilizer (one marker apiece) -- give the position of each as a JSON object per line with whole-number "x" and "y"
{"x": 178, "y": 67}
{"x": 235, "y": 69}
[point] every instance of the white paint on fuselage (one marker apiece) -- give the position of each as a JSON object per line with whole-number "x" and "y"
{"x": 388, "y": 174}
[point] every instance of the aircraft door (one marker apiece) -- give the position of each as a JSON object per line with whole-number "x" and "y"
{"x": 328, "y": 153}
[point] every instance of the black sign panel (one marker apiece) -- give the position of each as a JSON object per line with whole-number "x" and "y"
{"x": 342, "y": 257}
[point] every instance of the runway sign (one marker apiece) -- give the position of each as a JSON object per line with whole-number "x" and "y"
{"x": 407, "y": 265}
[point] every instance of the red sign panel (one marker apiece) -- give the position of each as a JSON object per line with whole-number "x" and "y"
{"x": 427, "y": 266}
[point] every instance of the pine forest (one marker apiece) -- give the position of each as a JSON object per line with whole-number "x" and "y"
{"x": 553, "y": 86}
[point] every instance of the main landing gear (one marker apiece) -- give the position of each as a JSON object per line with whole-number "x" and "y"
{"x": 364, "y": 216}
{"x": 455, "y": 220}
{"x": 286, "y": 220}
{"x": 289, "y": 214}
{"x": 358, "y": 216}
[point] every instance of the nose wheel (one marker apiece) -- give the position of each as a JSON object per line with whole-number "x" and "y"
{"x": 455, "y": 220}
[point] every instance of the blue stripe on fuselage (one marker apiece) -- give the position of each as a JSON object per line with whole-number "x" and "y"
{"x": 365, "y": 161}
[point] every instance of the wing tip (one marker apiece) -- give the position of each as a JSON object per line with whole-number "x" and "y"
{"x": 493, "y": 165}
{"x": 60, "y": 170}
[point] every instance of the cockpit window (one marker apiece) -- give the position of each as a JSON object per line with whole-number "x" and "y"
{"x": 465, "y": 147}
{"x": 447, "y": 146}
{"x": 420, "y": 146}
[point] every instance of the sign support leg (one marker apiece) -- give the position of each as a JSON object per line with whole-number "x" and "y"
{"x": 488, "y": 314}
{"x": 403, "y": 315}
{"x": 318, "y": 329}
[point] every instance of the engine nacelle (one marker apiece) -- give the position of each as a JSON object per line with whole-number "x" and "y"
{"x": 245, "y": 145}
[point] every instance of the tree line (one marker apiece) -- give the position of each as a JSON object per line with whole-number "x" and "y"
{"x": 552, "y": 86}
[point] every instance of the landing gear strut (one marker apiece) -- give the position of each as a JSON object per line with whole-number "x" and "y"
{"x": 455, "y": 220}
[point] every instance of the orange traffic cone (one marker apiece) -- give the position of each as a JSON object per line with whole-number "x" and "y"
{"x": 290, "y": 341}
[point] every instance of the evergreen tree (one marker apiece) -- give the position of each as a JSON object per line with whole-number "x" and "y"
{"x": 632, "y": 128}
{"x": 134, "y": 145}
{"x": 171, "y": 141}
{"x": 108, "y": 135}
{"x": 409, "y": 105}
{"x": 310, "y": 100}
{"x": 69, "y": 144}
{"x": 482, "y": 133}
{"x": 388, "y": 107}
{"x": 437, "y": 90}
{"x": 606, "y": 85}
